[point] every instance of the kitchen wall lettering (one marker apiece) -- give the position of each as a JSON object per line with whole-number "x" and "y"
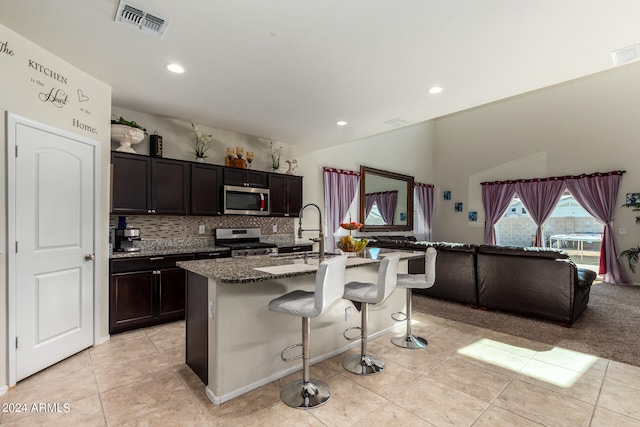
{"x": 81, "y": 96}
{"x": 4, "y": 48}
{"x": 55, "y": 96}
{"x": 47, "y": 71}
{"x": 77, "y": 123}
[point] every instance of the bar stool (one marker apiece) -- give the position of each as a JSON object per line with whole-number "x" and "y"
{"x": 369, "y": 293}
{"x": 410, "y": 282}
{"x": 309, "y": 393}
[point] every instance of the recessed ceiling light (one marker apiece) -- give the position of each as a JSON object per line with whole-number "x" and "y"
{"x": 341, "y": 123}
{"x": 175, "y": 68}
{"x": 435, "y": 89}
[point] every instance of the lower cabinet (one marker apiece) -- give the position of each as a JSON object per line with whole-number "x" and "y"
{"x": 146, "y": 291}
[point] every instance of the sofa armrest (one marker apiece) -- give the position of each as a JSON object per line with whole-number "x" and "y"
{"x": 586, "y": 277}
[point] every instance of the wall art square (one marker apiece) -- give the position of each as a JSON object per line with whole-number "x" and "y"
{"x": 458, "y": 206}
{"x": 632, "y": 198}
{"x": 447, "y": 195}
{"x": 473, "y": 216}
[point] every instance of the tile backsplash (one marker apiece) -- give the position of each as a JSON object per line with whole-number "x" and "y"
{"x": 186, "y": 227}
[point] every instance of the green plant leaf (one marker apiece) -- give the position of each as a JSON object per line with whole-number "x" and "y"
{"x": 632, "y": 255}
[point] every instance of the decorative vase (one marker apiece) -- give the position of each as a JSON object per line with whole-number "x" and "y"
{"x": 126, "y": 136}
{"x": 200, "y": 159}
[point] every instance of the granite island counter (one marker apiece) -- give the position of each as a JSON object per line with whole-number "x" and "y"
{"x": 233, "y": 340}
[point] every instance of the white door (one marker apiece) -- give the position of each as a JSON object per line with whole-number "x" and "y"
{"x": 54, "y": 218}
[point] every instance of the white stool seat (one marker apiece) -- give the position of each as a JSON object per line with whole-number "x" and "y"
{"x": 370, "y": 293}
{"x": 414, "y": 281}
{"x": 410, "y": 282}
{"x": 361, "y": 292}
{"x": 309, "y": 393}
{"x": 297, "y": 303}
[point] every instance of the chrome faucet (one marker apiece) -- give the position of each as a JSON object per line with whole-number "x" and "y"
{"x": 320, "y": 238}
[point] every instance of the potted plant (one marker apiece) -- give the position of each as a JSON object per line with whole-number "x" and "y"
{"x": 632, "y": 255}
{"x": 126, "y": 133}
{"x": 199, "y": 145}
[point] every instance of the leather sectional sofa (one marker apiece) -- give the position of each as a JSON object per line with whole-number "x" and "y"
{"x": 536, "y": 282}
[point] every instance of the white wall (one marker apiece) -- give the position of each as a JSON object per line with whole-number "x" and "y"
{"x": 27, "y": 75}
{"x": 408, "y": 150}
{"x": 587, "y": 125}
{"x": 177, "y": 135}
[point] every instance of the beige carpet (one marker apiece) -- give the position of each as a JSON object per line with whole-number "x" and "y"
{"x": 609, "y": 327}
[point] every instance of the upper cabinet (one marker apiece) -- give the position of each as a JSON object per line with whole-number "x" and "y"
{"x": 130, "y": 183}
{"x": 285, "y": 192}
{"x": 145, "y": 185}
{"x": 169, "y": 186}
{"x": 245, "y": 177}
{"x": 206, "y": 181}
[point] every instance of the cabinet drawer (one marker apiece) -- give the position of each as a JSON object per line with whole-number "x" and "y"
{"x": 147, "y": 263}
{"x": 295, "y": 248}
{"x": 208, "y": 255}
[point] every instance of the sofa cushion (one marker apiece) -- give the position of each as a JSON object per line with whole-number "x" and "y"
{"x": 551, "y": 253}
{"x": 442, "y": 246}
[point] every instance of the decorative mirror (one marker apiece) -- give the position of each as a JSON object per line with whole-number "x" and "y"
{"x": 386, "y": 200}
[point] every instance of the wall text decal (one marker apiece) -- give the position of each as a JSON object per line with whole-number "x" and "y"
{"x": 77, "y": 123}
{"x": 81, "y": 96}
{"x": 47, "y": 71}
{"x": 55, "y": 96}
{"x": 4, "y": 48}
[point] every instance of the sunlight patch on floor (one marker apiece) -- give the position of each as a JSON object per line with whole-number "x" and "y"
{"x": 557, "y": 366}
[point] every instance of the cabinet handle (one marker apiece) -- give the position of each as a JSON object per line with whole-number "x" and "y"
{"x": 156, "y": 258}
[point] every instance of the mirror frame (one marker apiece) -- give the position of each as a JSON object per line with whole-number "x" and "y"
{"x": 364, "y": 170}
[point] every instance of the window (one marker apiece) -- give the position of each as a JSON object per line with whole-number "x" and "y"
{"x": 570, "y": 228}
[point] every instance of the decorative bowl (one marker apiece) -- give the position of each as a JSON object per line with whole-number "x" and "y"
{"x": 349, "y": 244}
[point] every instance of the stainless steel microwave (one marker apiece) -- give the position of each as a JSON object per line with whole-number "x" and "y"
{"x": 245, "y": 200}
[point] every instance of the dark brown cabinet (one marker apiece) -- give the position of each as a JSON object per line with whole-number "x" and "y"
{"x": 146, "y": 291}
{"x": 285, "y": 192}
{"x": 130, "y": 183}
{"x": 169, "y": 186}
{"x": 206, "y": 181}
{"x": 144, "y": 185}
{"x": 245, "y": 178}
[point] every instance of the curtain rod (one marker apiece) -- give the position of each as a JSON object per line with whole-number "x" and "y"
{"x": 556, "y": 178}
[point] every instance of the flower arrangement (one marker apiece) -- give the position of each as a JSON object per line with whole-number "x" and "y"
{"x": 199, "y": 145}
{"x": 275, "y": 155}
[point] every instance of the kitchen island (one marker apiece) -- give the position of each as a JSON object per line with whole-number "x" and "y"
{"x": 234, "y": 341}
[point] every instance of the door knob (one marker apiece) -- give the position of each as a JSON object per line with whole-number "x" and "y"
{"x": 89, "y": 257}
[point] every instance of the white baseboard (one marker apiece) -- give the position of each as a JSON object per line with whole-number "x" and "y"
{"x": 102, "y": 340}
{"x": 4, "y": 389}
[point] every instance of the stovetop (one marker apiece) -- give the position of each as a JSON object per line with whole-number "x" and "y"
{"x": 241, "y": 239}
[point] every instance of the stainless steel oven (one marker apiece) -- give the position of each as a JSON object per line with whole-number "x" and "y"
{"x": 246, "y": 200}
{"x": 244, "y": 242}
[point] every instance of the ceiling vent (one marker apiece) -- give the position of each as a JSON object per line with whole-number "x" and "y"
{"x": 396, "y": 123}
{"x": 133, "y": 16}
{"x": 626, "y": 55}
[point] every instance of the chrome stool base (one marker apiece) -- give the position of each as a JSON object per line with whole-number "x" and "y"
{"x": 301, "y": 395}
{"x": 363, "y": 364}
{"x": 410, "y": 341}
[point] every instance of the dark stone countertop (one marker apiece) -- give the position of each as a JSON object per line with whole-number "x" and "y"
{"x": 243, "y": 270}
{"x": 178, "y": 250}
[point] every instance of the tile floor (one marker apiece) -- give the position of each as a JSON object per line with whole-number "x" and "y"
{"x": 467, "y": 376}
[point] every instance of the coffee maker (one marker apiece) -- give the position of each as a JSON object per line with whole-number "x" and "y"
{"x": 123, "y": 238}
